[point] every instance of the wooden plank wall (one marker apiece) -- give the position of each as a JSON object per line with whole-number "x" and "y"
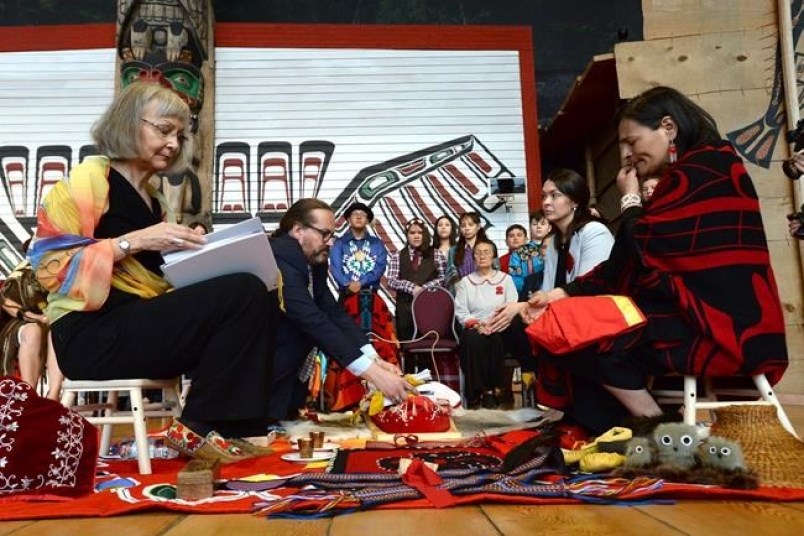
{"x": 374, "y": 106}
{"x": 383, "y": 100}
{"x": 723, "y": 55}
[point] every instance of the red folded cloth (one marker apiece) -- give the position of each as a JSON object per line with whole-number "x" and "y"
{"x": 572, "y": 323}
{"x": 427, "y": 482}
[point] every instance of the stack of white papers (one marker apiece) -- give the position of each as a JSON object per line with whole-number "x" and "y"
{"x": 241, "y": 248}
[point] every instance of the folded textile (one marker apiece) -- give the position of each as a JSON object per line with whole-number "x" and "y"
{"x": 579, "y": 321}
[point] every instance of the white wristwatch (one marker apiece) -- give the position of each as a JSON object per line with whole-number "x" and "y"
{"x": 124, "y": 245}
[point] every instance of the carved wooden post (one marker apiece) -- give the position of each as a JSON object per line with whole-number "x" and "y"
{"x": 170, "y": 42}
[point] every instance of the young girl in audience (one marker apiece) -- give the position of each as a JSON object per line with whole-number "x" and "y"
{"x": 446, "y": 234}
{"x": 460, "y": 261}
{"x": 410, "y": 270}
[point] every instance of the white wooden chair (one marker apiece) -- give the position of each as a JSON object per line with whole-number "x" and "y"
{"x": 172, "y": 397}
{"x": 713, "y": 398}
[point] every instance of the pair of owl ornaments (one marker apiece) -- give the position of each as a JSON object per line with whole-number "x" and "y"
{"x": 675, "y": 453}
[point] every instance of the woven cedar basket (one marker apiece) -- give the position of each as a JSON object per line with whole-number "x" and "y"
{"x": 771, "y": 451}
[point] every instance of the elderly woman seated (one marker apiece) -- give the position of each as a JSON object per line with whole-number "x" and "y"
{"x": 98, "y": 250}
{"x": 478, "y": 295}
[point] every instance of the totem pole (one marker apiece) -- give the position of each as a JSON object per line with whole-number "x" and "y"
{"x": 169, "y": 42}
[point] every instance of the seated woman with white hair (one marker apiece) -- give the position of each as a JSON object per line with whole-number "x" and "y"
{"x": 483, "y": 350}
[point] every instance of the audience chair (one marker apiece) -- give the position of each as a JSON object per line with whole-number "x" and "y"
{"x": 172, "y": 403}
{"x": 713, "y": 397}
{"x": 433, "y": 311}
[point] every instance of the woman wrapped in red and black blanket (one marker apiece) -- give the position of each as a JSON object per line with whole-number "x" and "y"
{"x": 694, "y": 259}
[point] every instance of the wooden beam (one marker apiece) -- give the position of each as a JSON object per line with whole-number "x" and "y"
{"x": 694, "y": 17}
{"x": 698, "y": 63}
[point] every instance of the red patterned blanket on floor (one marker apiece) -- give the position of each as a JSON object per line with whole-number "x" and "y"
{"x": 120, "y": 490}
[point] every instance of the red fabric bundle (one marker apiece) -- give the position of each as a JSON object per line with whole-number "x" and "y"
{"x": 343, "y": 389}
{"x": 417, "y": 414}
{"x": 573, "y": 323}
{"x": 379, "y": 321}
{"x": 46, "y": 450}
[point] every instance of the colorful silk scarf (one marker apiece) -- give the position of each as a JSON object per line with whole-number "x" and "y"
{"x": 77, "y": 269}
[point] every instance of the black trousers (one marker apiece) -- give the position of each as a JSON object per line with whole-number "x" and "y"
{"x": 483, "y": 356}
{"x": 219, "y": 332}
{"x": 592, "y": 404}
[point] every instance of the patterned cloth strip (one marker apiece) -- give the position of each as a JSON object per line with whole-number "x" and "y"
{"x": 336, "y": 494}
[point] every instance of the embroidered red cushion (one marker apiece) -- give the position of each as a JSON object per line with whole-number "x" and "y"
{"x": 418, "y": 414}
{"x": 45, "y": 449}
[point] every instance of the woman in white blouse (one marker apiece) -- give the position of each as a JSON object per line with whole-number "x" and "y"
{"x": 578, "y": 244}
{"x": 477, "y": 296}
{"x": 580, "y": 241}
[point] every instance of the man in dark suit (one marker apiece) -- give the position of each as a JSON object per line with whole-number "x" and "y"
{"x": 312, "y": 317}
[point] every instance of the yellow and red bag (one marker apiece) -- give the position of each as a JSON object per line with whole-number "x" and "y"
{"x": 576, "y": 322}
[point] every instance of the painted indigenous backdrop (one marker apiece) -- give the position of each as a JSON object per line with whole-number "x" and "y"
{"x": 414, "y": 121}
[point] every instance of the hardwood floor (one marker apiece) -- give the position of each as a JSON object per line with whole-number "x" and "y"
{"x": 721, "y": 518}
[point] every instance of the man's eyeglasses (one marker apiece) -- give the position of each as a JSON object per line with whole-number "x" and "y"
{"x": 165, "y": 130}
{"x": 326, "y": 235}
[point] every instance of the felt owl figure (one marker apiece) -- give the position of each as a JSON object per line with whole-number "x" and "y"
{"x": 677, "y": 445}
{"x": 640, "y": 452}
{"x": 720, "y": 453}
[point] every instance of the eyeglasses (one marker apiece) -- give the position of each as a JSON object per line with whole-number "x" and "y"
{"x": 326, "y": 235}
{"x": 166, "y": 130}
{"x": 483, "y": 253}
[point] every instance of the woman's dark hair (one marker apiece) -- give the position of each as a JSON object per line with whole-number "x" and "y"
{"x": 426, "y": 247}
{"x": 460, "y": 245}
{"x": 453, "y": 233}
{"x": 300, "y": 212}
{"x": 695, "y": 125}
{"x": 574, "y": 186}
{"x": 486, "y": 241}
